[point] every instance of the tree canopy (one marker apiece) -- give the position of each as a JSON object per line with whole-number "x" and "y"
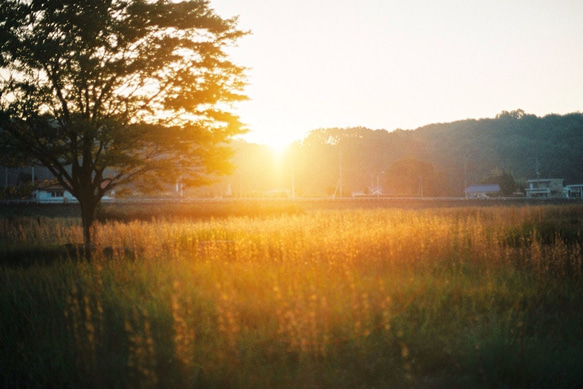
{"x": 107, "y": 92}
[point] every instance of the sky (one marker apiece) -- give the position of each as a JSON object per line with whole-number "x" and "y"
{"x": 386, "y": 64}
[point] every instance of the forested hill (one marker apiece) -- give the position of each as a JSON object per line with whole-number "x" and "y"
{"x": 519, "y": 143}
{"x": 433, "y": 160}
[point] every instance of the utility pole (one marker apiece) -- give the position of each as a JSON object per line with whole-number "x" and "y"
{"x": 465, "y": 173}
{"x": 378, "y": 191}
{"x": 179, "y": 187}
{"x": 378, "y": 184}
{"x": 340, "y": 172}
{"x": 293, "y": 185}
{"x": 339, "y": 183}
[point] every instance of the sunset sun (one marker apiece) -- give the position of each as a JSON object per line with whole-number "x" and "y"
{"x": 277, "y": 146}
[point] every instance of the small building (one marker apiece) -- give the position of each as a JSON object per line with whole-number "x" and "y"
{"x": 485, "y": 191}
{"x": 573, "y": 191}
{"x": 545, "y": 188}
{"x": 53, "y": 194}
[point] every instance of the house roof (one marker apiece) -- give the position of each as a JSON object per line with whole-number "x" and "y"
{"x": 51, "y": 187}
{"x": 490, "y": 188}
{"x": 545, "y": 179}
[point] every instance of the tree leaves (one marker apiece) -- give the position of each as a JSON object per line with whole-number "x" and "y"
{"x": 137, "y": 86}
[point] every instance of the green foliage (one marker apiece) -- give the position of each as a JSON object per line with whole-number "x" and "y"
{"x": 504, "y": 179}
{"x": 507, "y": 183}
{"x": 516, "y": 114}
{"x": 21, "y": 191}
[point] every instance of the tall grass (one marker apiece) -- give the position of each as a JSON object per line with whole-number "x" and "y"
{"x": 480, "y": 297}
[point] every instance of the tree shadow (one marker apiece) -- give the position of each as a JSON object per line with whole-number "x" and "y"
{"x": 73, "y": 252}
{"x": 24, "y": 258}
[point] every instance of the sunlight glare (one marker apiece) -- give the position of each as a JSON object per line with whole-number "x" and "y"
{"x": 277, "y": 145}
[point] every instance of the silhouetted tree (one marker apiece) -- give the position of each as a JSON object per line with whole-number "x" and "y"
{"x": 138, "y": 87}
{"x": 516, "y": 114}
{"x": 506, "y": 183}
{"x": 504, "y": 179}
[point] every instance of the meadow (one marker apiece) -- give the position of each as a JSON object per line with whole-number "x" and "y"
{"x": 319, "y": 298}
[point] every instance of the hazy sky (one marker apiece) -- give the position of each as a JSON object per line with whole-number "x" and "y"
{"x": 403, "y": 64}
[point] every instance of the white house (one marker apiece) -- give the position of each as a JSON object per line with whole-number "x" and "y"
{"x": 545, "y": 188}
{"x": 573, "y": 191}
{"x": 54, "y": 194}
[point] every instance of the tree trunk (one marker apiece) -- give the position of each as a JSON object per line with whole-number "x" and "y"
{"x": 88, "y": 207}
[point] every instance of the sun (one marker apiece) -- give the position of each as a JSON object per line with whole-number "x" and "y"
{"x": 277, "y": 141}
{"x": 277, "y": 144}
{"x": 278, "y": 147}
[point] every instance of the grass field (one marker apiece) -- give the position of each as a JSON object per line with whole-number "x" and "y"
{"x": 293, "y": 298}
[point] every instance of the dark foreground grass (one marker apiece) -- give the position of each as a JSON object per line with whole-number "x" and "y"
{"x": 424, "y": 298}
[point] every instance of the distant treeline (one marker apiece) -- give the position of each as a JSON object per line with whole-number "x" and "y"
{"x": 433, "y": 160}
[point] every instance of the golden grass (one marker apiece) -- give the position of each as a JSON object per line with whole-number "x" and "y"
{"x": 359, "y": 297}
